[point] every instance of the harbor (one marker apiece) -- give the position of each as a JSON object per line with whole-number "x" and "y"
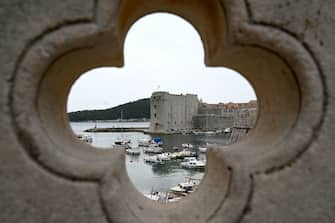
{"x": 157, "y": 176}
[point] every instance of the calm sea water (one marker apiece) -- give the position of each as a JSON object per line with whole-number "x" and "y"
{"x": 147, "y": 177}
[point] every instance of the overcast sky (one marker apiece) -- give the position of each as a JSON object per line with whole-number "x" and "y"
{"x": 162, "y": 53}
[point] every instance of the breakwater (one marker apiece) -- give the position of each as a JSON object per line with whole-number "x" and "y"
{"x": 117, "y": 129}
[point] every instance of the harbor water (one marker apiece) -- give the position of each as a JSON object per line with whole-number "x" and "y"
{"x": 150, "y": 177}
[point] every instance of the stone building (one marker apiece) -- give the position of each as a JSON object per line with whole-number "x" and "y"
{"x": 171, "y": 112}
{"x": 226, "y": 115}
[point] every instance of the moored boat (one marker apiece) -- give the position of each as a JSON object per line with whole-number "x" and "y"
{"x": 203, "y": 149}
{"x": 133, "y": 151}
{"x": 194, "y": 164}
{"x": 151, "y": 149}
{"x": 85, "y": 138}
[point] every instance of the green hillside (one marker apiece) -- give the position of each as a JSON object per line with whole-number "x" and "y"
{"x": 131, "y": 110}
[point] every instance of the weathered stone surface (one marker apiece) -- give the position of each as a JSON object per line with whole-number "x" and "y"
{"x": 282, "y": 171}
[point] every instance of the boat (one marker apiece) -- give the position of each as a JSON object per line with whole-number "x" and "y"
{"x": 163, "y": 197}
{"x": 202, "y": 149}
{"x": 185, "y": 153}
{"x": 164, "y": 156}
{"x": 187, "y": 145}
{"x": 194, "y": 164}
{"x": 153, "y": 159}
{"x": 85, "y": 138}
{"x": 227, "y": 130}
{"x": 157, "y": 140}
{"x": 210, "y": 133}
{"x": 185, "y": 188}
{"x": 144, "y": 142}
{"x": 133, "y": 151}
{"x": 152, "y": 149}
{"x": 122, "y": 141}
{"x": 155, "y": 196}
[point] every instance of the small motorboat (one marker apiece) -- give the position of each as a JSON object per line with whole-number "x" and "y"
{"x": 227, "y": 130}
{"x": 185, "y": 153}
{"x": 187, "y": 145}
{"x": 144, "y": 142}
{"x": 85, "y": 138}
{"x": 152, "y": 149}
{"x": 153, "y": 159}
{"x": 194, "y": 164}
{"x": 202, "y": 149}
{"x": 185, "y": 188}
{"x": 164, "y": 156}
{"x": 133, "y": 151}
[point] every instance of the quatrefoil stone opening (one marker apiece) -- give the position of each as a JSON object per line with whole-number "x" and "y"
{"x": 282, "y": 72}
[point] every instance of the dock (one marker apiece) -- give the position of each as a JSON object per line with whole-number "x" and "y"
{"x": 117, "y": 130}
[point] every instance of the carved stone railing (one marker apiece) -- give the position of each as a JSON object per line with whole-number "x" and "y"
{"x": 283, "y": 171}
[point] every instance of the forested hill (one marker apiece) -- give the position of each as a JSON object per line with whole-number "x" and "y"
{"x": 132, "y": 110}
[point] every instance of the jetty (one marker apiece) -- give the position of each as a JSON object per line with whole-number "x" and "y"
{"x": 129, "y": 129}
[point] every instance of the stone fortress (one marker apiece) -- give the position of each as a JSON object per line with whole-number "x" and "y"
{"x": 171, "y": 113}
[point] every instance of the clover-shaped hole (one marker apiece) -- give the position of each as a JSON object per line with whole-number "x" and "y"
{"x": 163, "y": 94}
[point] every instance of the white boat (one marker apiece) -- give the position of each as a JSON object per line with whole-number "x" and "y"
{"x": 144, "y": 142}
{"x": 187, "y": 145}
{"x": 227, "y": 130}
{"x": 194, "y": 164}
{"x": 202, "y": 149}
{"x": 210, "y": 133}
{"x": 163, "y": 197}
{"x": 164, "y": 156}
{"x": 85, "y": 138}
{"x": 151, "y": 149}
{"x": 152, "y": 196}
{"x": 133, "y": 151}
{"x": 185, "y": 187}
{"x": 153, "y": 159}
{"x": 122, "y": 141}
{"x": 185, "y": 153}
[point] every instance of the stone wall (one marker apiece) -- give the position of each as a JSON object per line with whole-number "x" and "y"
{"x": 245, "y": 118}
{"x": 282, "y": 171}
{"x": 213, "y": 122}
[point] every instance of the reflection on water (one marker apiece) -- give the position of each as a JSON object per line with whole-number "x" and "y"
{"x": 147, "y": 177}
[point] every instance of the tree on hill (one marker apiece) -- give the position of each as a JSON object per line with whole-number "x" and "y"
{"x": 132, "y": 110}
